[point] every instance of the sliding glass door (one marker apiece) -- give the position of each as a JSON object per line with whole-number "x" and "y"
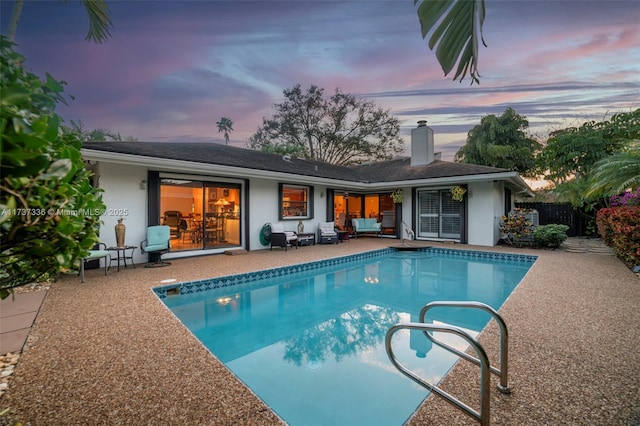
{"x": 222, "y": 215}
{"x": 348, "y": 206}
{"x": 439, "y": 215}
{"x": 201, "y": 214}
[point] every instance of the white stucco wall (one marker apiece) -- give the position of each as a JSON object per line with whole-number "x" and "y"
{"x": 124, "y": 198}
{"x": 498, "y": 210}
{"x": 264, "y": 209}
{"x": 320, "y": 207}
{"x": 484, "y": 205}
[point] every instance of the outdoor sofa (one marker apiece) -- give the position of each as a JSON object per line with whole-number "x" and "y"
{"x": 366, "y": 225}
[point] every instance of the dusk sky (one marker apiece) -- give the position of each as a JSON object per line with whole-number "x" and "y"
{"x": 173, "y": 68}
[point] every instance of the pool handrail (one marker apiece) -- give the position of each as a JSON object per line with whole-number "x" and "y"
{"x": 409, "y": 232}
{"x": 503, "y": 372}
{"x": 483, "y": 416}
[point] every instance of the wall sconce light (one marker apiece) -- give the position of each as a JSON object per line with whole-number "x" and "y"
{"x": 143, "y": 184}
{"x": 321, "y": 194}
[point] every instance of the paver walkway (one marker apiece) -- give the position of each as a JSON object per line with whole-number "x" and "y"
{"x": 586, "y": 245}
{"x": 17, "y": 314}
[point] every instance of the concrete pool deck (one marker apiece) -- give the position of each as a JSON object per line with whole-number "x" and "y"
{"x": 109, "y": 352}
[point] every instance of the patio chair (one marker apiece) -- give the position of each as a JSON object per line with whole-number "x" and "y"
{"x": 99, "y": 252}
{"x": 186, "y": 231}
{"x": 327, "y": 233}
{"x": 214, "y": 228}
{"x": 158, "y": 242}
{"x": 388, "y": 221}
{"x": 172, "y": 219}
{"x": 282, "y": 238}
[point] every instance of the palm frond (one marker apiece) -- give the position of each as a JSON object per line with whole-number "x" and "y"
{"x": 616, "y": 173}
{"x": 456, "y": 27}
{"x": 99, "y": 20}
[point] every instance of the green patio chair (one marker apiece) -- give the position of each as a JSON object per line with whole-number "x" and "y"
{"x": 99, "y": 252}
{"x": 158, "y": 242}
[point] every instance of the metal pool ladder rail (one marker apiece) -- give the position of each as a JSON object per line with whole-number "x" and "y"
{"x": 483, "y": 361}
{"x": 503, "y": 372}
{"x": 410, "y": 233}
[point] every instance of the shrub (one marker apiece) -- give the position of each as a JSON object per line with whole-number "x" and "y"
{"x": 550, "y": 236}
{"x": 50, "y": 211}
{"x": 604, "y": 226}
{"x": 619, "y": 228}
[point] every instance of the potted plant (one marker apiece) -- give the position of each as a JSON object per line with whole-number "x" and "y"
{"x": 457, "y": 192}
{"x": 397, "y": 196}
{"x": 516, "y": 228}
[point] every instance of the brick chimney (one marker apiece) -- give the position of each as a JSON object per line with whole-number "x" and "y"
{"x": 422, "y": 144}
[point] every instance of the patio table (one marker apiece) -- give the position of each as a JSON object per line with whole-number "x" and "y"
{"x": 121, "y": 253}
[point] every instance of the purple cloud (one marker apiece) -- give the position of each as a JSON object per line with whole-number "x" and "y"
{"x": 172, "y": 69}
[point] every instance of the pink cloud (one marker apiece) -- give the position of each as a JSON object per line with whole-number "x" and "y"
{"x": 564, "y": 52}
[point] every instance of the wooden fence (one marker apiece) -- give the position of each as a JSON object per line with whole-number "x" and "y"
{"x": 561, "y": 214}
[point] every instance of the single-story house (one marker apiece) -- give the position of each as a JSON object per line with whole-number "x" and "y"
{"x": 217, "y": 197}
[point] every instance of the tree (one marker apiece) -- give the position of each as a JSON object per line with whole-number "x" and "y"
{"x": 95, "y": 135}
{"x": 577, "y": 159}
{"x": 49, "y": 210}
{"x": 340, "y": 129}
{"x": 572, "y": 153}
{"x": 97, "y": 10}
{"x": 501, "y": 142}
{"x": 457, "y": 35}
{"x": 225, "y": 125}
{"x": 79, "y": 129}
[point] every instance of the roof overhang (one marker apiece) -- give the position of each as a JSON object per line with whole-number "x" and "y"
{"x": 512, "y": 179}
{"x": 181, "y": 166}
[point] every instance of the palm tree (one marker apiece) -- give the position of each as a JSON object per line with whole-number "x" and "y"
{"x": 99, "y": 20}
{"x": 225, "y": 125}
{"x": 616, "y": 173}
{"x": 457, "y": 35}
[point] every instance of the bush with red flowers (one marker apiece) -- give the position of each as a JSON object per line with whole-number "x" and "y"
{"x": 619, "y": 228}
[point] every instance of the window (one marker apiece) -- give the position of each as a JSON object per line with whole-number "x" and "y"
{"x": 296, "y": 202}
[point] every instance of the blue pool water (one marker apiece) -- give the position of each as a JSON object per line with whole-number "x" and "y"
{"x": 309, "y": 339}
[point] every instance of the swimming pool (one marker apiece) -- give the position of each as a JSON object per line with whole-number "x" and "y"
{"x": 309, "y": 339}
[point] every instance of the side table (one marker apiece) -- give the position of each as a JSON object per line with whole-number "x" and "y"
{"x": 121, "y": 253}
{"x": 343, "y": 236}
{"x": 306, "y": 239}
